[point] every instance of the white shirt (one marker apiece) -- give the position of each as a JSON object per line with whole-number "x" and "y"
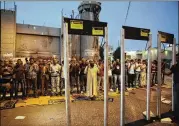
{"x": 138, "y": 69}
{"x": 109, "y": 72}
{"x": 55, "y": 69}
{"x": 131, "y": 70}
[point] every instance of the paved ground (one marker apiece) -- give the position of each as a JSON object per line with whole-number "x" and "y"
{"x": 90, "y": 113}
{"x": 87, "y": 113}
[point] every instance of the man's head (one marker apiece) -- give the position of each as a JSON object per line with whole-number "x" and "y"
{"x": 10, "y": 61}
{"x": 139, "y": 60}
{"x": 54, "y": 61}
{"x": 19, "y": 61}
{"x": 117, "y": 60}
{"x": 132, "y": 61}
{"x": 40, "y": 61}
{"x": 31, "y": 60}
{"x": 6, "y": 62}
{"x": 91, "y": 63}
{"x": 143, "y": 62}
{"x": 73, "y": 61}
{"x": 83, "y": 60}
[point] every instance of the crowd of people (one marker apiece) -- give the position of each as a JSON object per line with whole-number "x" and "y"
{"x": 46, "y": 77}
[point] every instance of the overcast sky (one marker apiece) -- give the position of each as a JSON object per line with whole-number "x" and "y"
{"x": 156, "y": 16}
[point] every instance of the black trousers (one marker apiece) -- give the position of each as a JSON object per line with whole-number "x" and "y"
{"x": 154, "y": 78}
{"x": 131, "y": 79}
{"x": 22, "y": 82}
{"x": 74, "y": 81}
{"x": 83, "y": 81}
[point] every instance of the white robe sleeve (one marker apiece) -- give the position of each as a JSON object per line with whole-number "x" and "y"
{"x": 86, "y": 70}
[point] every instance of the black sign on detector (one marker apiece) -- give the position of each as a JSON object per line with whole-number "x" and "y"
{"x": 85, "y": 27}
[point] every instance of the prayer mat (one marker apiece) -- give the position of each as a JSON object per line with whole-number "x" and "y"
{"x": 55, "y": 101}
{"x": 8, "y": 104}
{"x": 79, "y": 97}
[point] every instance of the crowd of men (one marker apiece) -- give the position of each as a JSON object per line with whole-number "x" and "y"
{"x": 86, "y": 76}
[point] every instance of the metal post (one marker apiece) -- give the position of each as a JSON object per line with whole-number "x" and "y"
{"x": 122, "y": 112}
{"x": 66, "y": 74}
{"x": 0, "y": 31}
{"x": 159, "y": 78}
{"x": 149, "y": 77}
{"x": 106, "y": 79}
{"x": 62, "y": 43}
{"x": 173, "y": 62}
{"x": 15, "y": 30}
{"x": 4, "y": 5}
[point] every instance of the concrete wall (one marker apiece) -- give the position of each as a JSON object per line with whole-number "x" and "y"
{"x": 37, "y": 41}
{"x": 8, "y": 33}
{"x": 38, "y": 30}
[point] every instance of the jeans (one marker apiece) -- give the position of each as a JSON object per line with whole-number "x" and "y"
{"x": 137, "y": 79}
{"x": 154, "y": 78}
{"x": 117, "y": 78}
{"x": 32, "y": 84}
{"x": 101, "y": 81}
{"x": 55, "y": 84}
{"x": 176, "y": 100}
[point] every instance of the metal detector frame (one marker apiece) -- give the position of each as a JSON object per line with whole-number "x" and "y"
{"x": 66, "y": 75}
{"x": 159, "y": 73}
{"x": 122, "y": 112}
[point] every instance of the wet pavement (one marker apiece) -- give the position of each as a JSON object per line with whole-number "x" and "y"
{"x": 89, "y": 113}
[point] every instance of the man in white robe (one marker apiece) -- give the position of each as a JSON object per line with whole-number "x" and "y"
{"x": 92, "y": 70}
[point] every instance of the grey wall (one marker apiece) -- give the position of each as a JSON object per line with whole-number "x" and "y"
{"x": 8, "y": 33}
{"x": 37, "y": 41}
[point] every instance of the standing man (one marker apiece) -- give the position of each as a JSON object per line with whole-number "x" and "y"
{"x": 92, "y": 85}
{"x": 62, "y": 82}
{"x": 143, "y": 77}
{"x": 55, "y": 77}
{"x": 163, "y": 69}
{"x": 74, "y": 73}
{"x": 117, "y": 75}
{"x": 7, "y": 75}
{"x": 101, "y": 74}
{"x": 154, "y": 72}
{"x": 175, "y": 71}
{"x": 137, "y": 73}
{"x": 33, "y": 70}
{"x": 131, "y": 75}
{"x": 19, "y": 73}
{"x": 83, "y": 78}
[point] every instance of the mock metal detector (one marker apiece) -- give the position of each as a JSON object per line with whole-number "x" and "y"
{"x": 135, "y": 34}
{"x": 173, "y": 62}
{"x": 106, "y": 78}
{"x": 163, "y": 37}
{"x": 66, "y": 74}
{"x": 84, "y": 27}
{"x": 122, "y": 113}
